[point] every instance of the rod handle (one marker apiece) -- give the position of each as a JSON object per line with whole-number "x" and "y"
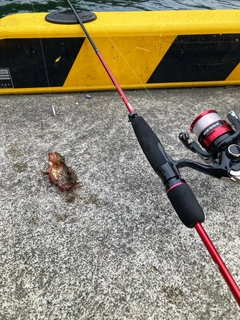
{"x": 149, "y": 142}
{"x": 178, "y": 191}
{"x": 185, "y": 204}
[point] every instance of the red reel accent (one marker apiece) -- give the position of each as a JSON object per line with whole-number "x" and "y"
{"x": 207, "y": 141}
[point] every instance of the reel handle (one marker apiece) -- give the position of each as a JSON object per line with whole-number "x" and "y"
{"x": 178, "y": 191}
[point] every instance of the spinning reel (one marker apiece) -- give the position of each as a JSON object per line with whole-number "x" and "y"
{"x": 221, "y": 142}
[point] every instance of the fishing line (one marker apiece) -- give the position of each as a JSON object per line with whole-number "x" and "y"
{"x": 128, "y": 64}
{"x": 124, "y": 59}
{"x": 104, "y": 64}
{"x": 154, "y": 100}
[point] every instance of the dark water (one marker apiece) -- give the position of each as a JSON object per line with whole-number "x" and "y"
{"x": 9, "y": 7}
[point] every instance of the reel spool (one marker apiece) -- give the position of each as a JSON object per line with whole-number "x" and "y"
{"x": 210, "y": 129}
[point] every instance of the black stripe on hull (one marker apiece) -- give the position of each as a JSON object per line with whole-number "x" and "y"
{"x": 39, "y": 62}
{"x": 193, "y": 58}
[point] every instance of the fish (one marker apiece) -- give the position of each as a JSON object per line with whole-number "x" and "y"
{"x": 60, "y": 174}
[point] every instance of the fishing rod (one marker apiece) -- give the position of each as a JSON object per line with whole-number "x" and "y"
{"x": 109, "y": 72}
{"x": 178, "y": 191}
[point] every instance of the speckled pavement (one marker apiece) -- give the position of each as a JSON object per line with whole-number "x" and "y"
{"x": 114, "y": 248}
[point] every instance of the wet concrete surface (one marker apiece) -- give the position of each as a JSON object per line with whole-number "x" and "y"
{"x": 114, "y": 248}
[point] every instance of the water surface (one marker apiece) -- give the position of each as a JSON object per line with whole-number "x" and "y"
{"x": 9, "y": 7}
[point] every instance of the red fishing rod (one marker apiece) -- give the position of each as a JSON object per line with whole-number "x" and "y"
{"x": 178, "y": 191}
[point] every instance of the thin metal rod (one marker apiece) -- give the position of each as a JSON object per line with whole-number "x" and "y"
{"x": 114, "y": 80}
{"x": 218, "y": 260}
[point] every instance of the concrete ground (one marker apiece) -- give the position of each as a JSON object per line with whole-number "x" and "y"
{"x": 115, "y": 248}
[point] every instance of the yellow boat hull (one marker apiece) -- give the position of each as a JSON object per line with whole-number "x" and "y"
{"x": 153, "y": 49}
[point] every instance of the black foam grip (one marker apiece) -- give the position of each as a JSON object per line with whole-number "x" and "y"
{"x": 149, "y": 142}
{"x": 186, "y": 205}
